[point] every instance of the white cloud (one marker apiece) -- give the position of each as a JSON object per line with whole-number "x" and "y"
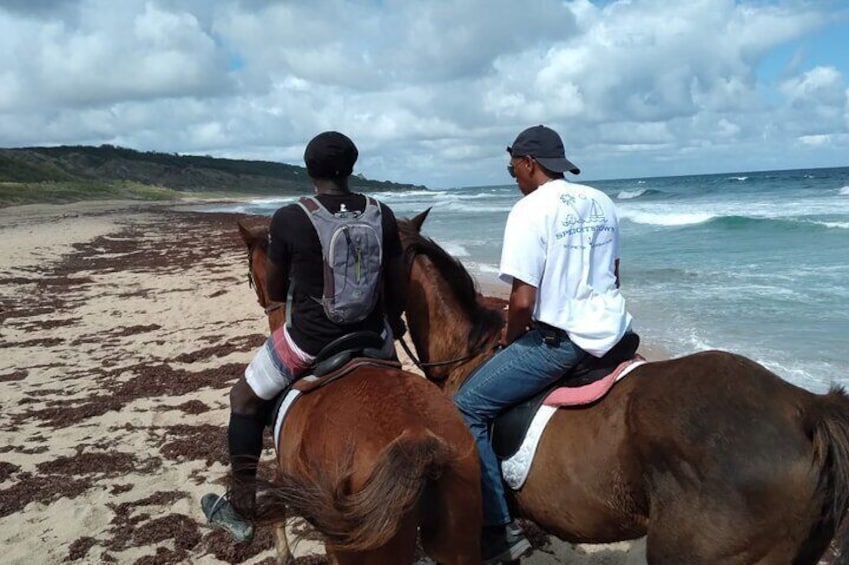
{"x": 431, "y": 92}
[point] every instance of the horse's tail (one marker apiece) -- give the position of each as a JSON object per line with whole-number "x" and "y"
{"x": 370, "y": 517}
{"x": 828, "y": 419}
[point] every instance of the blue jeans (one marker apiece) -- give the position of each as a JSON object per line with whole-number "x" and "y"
{"x": 516, "y": 373}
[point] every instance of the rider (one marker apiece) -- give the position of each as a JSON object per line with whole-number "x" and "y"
{"x": 561, "y": 254}
{"x": 295, "y": 253}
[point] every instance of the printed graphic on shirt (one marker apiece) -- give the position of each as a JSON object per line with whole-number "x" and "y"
{"x": 584, "y": 217}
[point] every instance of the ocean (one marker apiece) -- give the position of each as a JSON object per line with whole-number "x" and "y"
{"x": 755, "y": 263}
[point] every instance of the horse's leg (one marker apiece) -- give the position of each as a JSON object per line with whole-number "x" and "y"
{"x": 455, "y": 501}
{"x": 284, "y": 555}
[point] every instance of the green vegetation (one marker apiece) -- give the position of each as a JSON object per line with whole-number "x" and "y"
{"x": 15, "y": 194}
{"x": 73, "y": 173}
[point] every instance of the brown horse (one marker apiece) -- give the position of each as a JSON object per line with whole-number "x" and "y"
{"x": 356, "y": 456}
{"x": 711, "y": 456}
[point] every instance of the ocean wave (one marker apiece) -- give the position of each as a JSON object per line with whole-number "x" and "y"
{"x": 834, "y": 225}
{"x": 405, "y": 194}
{"x": 455, "y": 249}
{"x": 457, "y": 206}
{"x": 670, "y": 219}
{"x": 844, "y": 191}
{"x": 629, "y": 194}
{"x": 787, "y": 223}
{"x": 278, "y": 201}
{"x": 637, "y": 193}
{"x": 464, "y": 196}
{"x": 740, "y": 179}
{"x": 732, "y": 221}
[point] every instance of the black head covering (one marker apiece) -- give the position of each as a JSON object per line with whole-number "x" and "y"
{"x": 545, "y": 146}
{"x": 330, "y": 155}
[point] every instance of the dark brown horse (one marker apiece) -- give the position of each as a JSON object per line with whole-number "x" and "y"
{"x": 711, "y": 456}
{"x": 356, "y": 457}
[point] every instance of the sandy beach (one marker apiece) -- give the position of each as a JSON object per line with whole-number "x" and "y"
{"x": 123, "y": 327}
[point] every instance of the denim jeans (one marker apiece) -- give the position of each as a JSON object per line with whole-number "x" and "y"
{"x": 516, "y": 373}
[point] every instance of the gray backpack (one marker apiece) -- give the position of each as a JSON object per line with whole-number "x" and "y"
{"x": 352, "y": 249}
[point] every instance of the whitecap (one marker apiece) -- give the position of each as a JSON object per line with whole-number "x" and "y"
{"x": 835, "y": 225}
{"x": 487, "y": 268}
{"x": 741, "y": 179}
{"x": 277, "y": 200}
{"x": 405, "y": 194}
{"x": 844, "y": 191}
{"x": 455, "y": 249}
{"x": 455, "y": 206}
{"x": 672, "y": 219}
{"x": 629, "y": 194}
{"x": 464, "y": 196}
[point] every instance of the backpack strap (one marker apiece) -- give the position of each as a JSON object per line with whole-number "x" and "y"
{"x": 310, "y": 205}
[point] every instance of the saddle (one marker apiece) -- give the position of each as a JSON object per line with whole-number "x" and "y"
{"x": 338, "y": 358}
{"x": 509, "y": 428}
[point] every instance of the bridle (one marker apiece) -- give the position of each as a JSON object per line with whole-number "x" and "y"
{"x": 409, "y": 257}
{"x": 271, "y": 306}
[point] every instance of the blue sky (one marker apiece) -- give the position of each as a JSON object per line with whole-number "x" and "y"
{"x": 432, "y": 92}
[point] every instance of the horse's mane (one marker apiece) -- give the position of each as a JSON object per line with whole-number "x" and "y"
{"x": 485, "y": 321}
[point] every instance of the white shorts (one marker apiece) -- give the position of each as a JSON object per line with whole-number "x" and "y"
{"x": 276, "y": 365}
{"x": 279, "y": 362}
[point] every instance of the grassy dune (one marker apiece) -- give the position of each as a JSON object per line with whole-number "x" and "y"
{"x": 59, "y": 192}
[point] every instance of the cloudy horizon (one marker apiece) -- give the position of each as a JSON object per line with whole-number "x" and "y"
{"x": 432, "y": 92}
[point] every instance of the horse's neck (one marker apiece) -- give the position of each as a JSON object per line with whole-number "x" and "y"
{"x": 445, "y": 334}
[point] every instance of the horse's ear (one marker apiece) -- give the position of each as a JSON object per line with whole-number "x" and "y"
{"x": 418, "y": 220}
{"x": 245, "y": 233}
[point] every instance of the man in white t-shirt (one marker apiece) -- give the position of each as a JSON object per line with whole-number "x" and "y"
{"x": 561, "y": 255}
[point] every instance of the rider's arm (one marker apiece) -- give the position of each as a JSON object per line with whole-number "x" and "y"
{"x": 395, "y": 293}
{"x": 523, "y": 296}
{"x": 616, "y": 272}
{"x": 276, "y": 281}
{"x": 395, "y": 279}
{"x": 279, "y": 254}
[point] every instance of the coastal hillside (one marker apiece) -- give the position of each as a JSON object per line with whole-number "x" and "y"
{"x": 70, "y": 173}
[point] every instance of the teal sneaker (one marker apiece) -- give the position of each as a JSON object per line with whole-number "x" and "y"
{"x": 221, "y": 514}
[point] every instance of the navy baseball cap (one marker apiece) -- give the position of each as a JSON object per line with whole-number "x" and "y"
{"x": 545, "y": 147}
{"x": 330, "y": 155}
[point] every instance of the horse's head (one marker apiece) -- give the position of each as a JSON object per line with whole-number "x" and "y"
{"x": 256, "y": 239}
{"x": 448, "y": 323}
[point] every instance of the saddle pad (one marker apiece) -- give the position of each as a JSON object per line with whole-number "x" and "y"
{"x": 516, "y": 468}
{"x": 585, "y": 394}
{"x": 282, "y": 410}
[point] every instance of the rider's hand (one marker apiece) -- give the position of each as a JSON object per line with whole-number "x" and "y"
{"x": 399, "y": 328}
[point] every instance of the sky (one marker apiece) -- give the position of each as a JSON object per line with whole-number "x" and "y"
{"x": 432, "y": 92}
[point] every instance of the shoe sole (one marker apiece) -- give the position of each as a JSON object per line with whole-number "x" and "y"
{"x": 517, "y": 551}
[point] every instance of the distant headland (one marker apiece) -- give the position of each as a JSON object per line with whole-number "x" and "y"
{"x": 73, "y": 173}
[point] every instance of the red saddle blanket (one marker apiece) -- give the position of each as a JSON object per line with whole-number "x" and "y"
{"x": 586, "y": 394}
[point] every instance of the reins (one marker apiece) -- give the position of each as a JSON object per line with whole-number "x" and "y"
{"x": 409, "y": 257}
{"x": 422, "y": 365}
{"x": 272, "y": 306}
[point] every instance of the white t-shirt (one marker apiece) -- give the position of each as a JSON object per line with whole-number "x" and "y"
{"x": 563, "y": 239}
